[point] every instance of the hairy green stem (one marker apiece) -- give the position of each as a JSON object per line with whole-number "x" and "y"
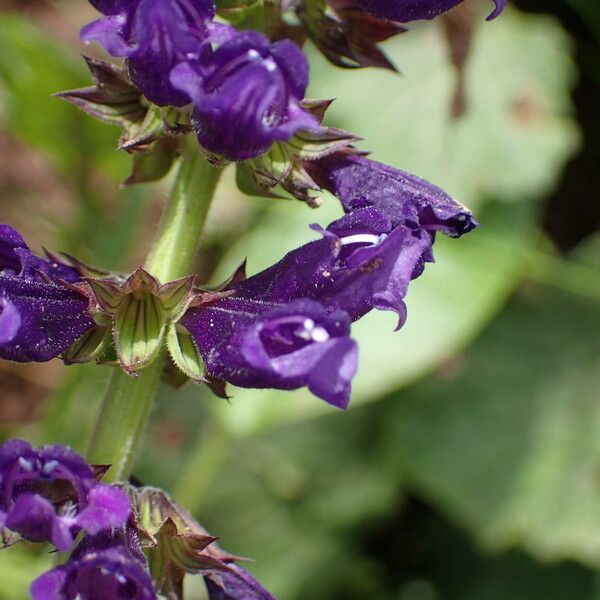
{"x": 128, "y": 401}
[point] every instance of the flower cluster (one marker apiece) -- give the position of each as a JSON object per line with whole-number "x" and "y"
{"x": 246, "y": 91}
{"x": 285, "y": 327}
{"x": 52, "y": 495}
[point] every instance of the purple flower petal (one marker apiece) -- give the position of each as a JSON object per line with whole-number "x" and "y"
{"x": 10, "y": 321}
{"x": 106, "y": 507}
{"x": 154, "y": 36}
{"x": 108, "y": 32}
{"x": 49, "y": 585}
{"x": 236, "y": 584}
{"x": 52, "y": 318}
{"x": 100, "y": 568}
{"x": 49, "y": 494}
{"x": 246, "y": 94}
{"x": 34, "y": 518}
{"x": 412, "y": 10}
{"x": 39, "y": 316}
{"x": 407, "y": 199}
{"x": 361, "y": 263}
{"x": 260, "y": 345}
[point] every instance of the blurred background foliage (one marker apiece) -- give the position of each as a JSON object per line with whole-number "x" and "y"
{"x": 468, "y": 466}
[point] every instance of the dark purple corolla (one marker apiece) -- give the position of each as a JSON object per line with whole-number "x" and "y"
{"x": 257, "y": 344}
{"x": 110, "y": 565}
{"x": 235, "y": 584}
{"x": 40, "y": 317}
{"x": 362, "y": 262}
{"x": 246, "y": 94}
{"x": 154, "y": 36}
{"x": 405, "y": 198}
{"x": 50, "y": 494}
{"x": 412, "y": 10}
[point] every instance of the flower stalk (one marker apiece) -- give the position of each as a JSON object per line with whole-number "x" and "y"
{"x": 128, "y": 401}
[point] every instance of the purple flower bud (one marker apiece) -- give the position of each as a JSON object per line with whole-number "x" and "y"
{"x": 235, "y": 584}
{"x": 49, "y": 494}
{"x": 261, "y": 345}
{"x": 246, "y": 94}
{"x": 406, "y": 199}
{"x": 412, "y": 10}
{"x": 39, "y": 316}
{"x": 154, "y": 36}
{"x": 109, "y": 565}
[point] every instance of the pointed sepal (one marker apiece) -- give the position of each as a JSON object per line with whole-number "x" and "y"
{"x": 141, "y": 310}
{"x": 153, "y": 164}
{"x": 347, "y": 36}
{"x": 175, "y": 543}
{"x": 281, "y": 171}
{"x": 112, "y": 99}
{"x": 184, "y": 353}
{"x": 91, "y": 346}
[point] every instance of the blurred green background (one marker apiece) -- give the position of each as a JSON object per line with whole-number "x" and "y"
{"x": 468, "y": 466}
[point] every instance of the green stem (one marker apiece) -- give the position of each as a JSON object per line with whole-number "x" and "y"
{"x": 176, "y": 243}
{"x": 128, "y": 401}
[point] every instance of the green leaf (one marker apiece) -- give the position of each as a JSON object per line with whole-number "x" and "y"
{"x": 509, "y": 445}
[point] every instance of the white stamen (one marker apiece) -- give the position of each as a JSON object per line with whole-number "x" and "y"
{"x": 50, "y": 466}
{"x": 363, "y": 238}
{"x": 270, "y": 65}
{"x": 253, "y": 54}
{"x": 320, "y": 334}
{"x": 310, "y": 331}
{"x": 25, "y": 464}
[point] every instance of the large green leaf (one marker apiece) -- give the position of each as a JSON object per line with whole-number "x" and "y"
{"x": 510, "y": 447}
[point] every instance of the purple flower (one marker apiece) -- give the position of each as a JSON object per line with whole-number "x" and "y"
{"x": 235, "y": 584}
{"x": 49, "y": 494}
{"x": 154, "y": 36}
{"x": 412, "y": 10}
{"x": 257, "y": 344}
{"x": 40, "y": 317}
{"x": 246, "y": 94}
{"x": 110, "y": 565}
{"x": 361, "y": 263}
{"x": 406, "y": 199}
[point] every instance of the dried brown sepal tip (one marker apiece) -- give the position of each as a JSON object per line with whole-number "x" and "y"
{"x": 113, "y": 99}
{"x": 175, "y": 543}
{"x": 347, "y": 36}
